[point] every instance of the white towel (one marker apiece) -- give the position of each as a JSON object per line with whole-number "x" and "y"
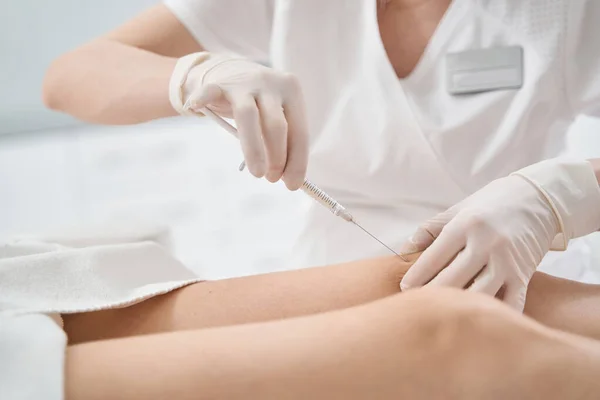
{"x": 41, "y": 279}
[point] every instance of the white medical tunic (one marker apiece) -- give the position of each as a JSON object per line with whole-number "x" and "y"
{"x": 398, "y": 151}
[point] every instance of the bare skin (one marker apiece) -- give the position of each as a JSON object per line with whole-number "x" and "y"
{"x": 210, "y": 340}
{"x": 559, "y": 303}
{"x": 131, "y": 84}
{"x": 406, "y": 28}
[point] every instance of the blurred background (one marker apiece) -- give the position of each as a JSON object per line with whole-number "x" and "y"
{"x": 179, "y": 173}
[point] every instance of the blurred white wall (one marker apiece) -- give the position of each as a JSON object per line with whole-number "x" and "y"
{"x": 177, "y": 173}
{"x": 32, "y": 34}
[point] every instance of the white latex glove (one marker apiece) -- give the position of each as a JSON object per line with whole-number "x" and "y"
{"x": 267, "y": 105}
{"x": 496, "y": 238}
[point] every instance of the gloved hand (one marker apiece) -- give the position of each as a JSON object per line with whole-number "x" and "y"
{"x": 496, "y": 238}
{"x": 267, "y": 105}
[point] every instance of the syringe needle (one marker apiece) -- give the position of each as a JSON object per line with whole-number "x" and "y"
{"x": 383, "y": 244}
{"x": 311, "y": 189}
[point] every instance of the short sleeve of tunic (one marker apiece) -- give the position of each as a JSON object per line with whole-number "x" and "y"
{"x": 236, "y": 27}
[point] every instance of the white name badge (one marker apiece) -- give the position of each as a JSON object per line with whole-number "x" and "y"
{"x": 484, "y": 70}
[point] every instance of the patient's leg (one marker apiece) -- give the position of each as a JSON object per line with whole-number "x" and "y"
{"x": 426, "y": 344}
{"x": 559, "y": 303}
{"x": 248, "y": 299}
{"x": 563, "y": 304}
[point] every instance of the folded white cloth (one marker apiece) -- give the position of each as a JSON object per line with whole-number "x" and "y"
{"x": 41, "y": 280}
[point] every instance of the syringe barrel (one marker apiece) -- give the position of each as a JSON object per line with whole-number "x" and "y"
{"x": 327, "y": 201}
{"x": 308, "y": 187}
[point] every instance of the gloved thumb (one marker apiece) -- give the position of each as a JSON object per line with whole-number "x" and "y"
{"x": 425, "y": 235}
{"x": 202, "y": 97}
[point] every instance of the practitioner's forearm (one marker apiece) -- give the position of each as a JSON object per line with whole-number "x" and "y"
{"x": 123, "y": 77}
{"x": 110, "y": 83}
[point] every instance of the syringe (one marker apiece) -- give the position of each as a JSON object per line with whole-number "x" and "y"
{"x": 307, "y": 187}
{"x": 337, "y": 209}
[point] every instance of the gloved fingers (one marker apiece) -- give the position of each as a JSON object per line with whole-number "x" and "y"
{"x": 515, "y": 295}
{"x": 203, "y": 96}
{"x": 425, "y": 234}
{"x": 419, "y": 241}
{"x": 435, "y": 258}
{"x": 247, "y": 117}
{"x": 298, "y": 139}
{"x": 487, "y": 282}
{"x": 463, "y": 269}
{"x": 275, "y": 132}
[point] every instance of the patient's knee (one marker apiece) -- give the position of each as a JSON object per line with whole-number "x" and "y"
{"x": 464, "y": 339}
{"x": 446, "y": 321}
